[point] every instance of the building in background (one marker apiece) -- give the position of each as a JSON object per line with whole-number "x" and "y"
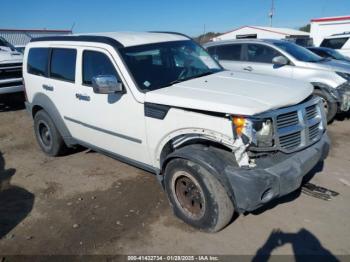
{"x": 20, "y": 37}
{"x": 262, "y": 32}
{"x": 327, "y": 26}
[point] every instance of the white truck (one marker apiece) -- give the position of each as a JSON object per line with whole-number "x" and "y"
{"x": 218, "y": 141}
{"x": 10, "y": 68}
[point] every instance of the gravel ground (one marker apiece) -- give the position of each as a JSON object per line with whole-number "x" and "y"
{"x": 87, "y": 203}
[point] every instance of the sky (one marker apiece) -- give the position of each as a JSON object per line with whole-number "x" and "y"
{"x": 191, "y": 17}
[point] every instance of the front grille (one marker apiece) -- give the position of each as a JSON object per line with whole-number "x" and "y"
{"x": 314, "y": 132}
{"x": 15, "y": 83}
{"x": 8, "y": 71}
{"x": 287, "y": 119}
{"x": 311, "y": 112}
{"x": 299, "y": 126}
{"x": 290, "y": 141}
{"x": 296, "y": 127}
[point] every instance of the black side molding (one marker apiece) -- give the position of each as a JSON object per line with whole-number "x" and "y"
{"x": 81, "y": 38}
{"x": 156, "y": 111}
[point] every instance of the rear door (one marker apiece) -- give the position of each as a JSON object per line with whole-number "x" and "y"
{"x": 257, "y": 58}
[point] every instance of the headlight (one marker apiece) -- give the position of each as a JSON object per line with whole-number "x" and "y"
{"x": 346, "y": 76}
{"x": 258, "y": 132}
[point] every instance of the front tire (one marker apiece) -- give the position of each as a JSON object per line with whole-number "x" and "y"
{"x": 196, "y": 196}
{"x": 47, "y": 135}
{"x": 329, "y": 105}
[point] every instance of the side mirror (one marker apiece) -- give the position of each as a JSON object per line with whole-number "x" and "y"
{"x": 106, "y": 84}
{"x": 280, "y": 60}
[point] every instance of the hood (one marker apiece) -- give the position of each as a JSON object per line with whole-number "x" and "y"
{"x": 331, "y": 64}
{"x": 233, "y": 93}
{"x": 7, "y": 56}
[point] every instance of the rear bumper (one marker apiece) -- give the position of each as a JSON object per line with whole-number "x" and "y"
{"x": 274, "y": 176}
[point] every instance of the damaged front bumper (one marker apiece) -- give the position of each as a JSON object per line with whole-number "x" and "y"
{"x": 274, "y": 176}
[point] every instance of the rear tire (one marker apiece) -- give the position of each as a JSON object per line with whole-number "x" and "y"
{"x": 196, "y": 196}
{"x": 47, "y": 135}
{"x": 330, "y": 106}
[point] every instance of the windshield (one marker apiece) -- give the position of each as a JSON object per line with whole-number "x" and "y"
{"x": 4, "y": 43}
{"x": 155, "y": 66}
{"x": 336, "y": 54}
{"x": 298, "y": 52}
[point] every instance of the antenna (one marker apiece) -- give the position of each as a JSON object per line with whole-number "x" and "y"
{"x": 73, "y": 25}
{"x": 272, "y": 11}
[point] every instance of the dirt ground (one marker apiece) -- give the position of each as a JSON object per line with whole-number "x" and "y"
{"x": 87, "y": 203}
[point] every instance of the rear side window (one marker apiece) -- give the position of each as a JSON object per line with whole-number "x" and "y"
{"x": 94, "y": 64}
{"x": 334, "y": 43}
{"x": 63, "y": 64}
{"x": 261, "y": 53}
{"x": 37, "y": 61}
{"x": 229, "y": 52}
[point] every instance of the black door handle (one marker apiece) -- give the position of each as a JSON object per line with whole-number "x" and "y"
{"x": 47, "y": 87}
{"x": 82, "y": 97}
{"x": 248, "y": 68}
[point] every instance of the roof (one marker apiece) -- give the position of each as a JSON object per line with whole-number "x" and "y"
{"x": 331, "y": 19}
{"x": 276, "y": 30}
{"x": 141, "y": 38}
{"x": 120, "y": 39}
{"x": 20, "y": 37}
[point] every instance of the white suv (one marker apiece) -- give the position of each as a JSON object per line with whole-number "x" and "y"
{"x": 218, "y": 141}
{"x": 10, "y": 68}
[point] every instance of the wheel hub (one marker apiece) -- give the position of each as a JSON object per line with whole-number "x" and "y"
{"x": 189, "y": 196}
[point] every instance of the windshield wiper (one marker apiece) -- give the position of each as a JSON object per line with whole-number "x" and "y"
{"x": 189, "y": 78}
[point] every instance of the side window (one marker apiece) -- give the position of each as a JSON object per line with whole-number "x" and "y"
{"x": 229, "y": 52}
{"x": 334, "y": 43}
{"x": 37, "y": 61}
{"x": 261, "y": 53}
{"x": 94, "y": 64}
{"x": 63, "y": 64}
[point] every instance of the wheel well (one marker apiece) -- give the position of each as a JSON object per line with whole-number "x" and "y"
{"x": 36, "y": 109}
{"x": 169, "y": 148}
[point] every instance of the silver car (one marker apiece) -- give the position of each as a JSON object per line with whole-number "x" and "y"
{"x": 330, "y": 78}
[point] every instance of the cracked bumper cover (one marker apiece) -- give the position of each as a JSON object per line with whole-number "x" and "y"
{"x": 276, "y": 177}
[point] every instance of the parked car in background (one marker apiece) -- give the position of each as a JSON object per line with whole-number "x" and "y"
{"x": 10, "y": 68}
{"x": 326, "y": 52}
{"x": 218, "y": 141}
{"x": 331, "y": 79}
{"x": 340, "y": 42}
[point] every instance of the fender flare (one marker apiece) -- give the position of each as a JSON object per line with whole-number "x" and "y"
{"x": 46, "y": 104}
{"x": 214, "y": 160}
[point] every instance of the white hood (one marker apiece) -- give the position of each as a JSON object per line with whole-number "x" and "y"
{"x": 233, "y": 93}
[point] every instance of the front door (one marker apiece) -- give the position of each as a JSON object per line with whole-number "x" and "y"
{"x": 258, "y": 58}
{"x": 110, "y": 122}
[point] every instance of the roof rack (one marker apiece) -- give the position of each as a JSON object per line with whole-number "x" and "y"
{"x": 344, "y": 33}
{"x": 169, "y": 32}
{"x": 81, "y": 38}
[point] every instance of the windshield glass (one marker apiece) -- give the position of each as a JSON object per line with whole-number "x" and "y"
{"x": 3, "y": 42}
{"x": 298, "y": 52}
{"x": 336, "y": 54}
{"x": 155, "y": 66}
